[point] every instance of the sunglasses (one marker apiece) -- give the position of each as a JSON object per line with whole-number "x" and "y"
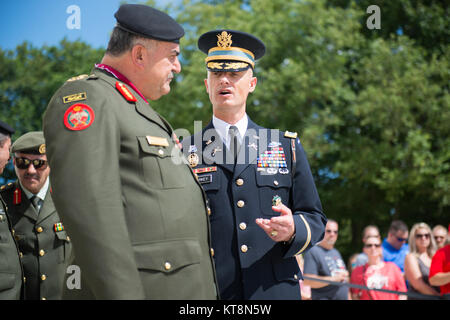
{"x": 402, "y": 239}
{"x": 331, "y": 231}
{"x": 423, "y": 235}
{"x": 439, "y": 237}
{"x": 372, "y": 245}
{"x": 24, "y": 163}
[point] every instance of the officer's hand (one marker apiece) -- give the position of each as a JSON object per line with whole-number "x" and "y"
{"x": 279, "y": 228}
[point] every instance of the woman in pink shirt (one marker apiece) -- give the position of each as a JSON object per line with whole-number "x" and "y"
{"x": 377, "y": 274}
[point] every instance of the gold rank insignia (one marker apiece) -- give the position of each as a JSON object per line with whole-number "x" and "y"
{"x": 75, "y": 97}
{"x": 80, "y": 77}
{"x": 289, "y": 134}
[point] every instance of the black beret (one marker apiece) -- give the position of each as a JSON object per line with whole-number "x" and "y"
{"x": 148, "y": 22}
{"x": 5, "y": 128}
{"x": 230, "y": 50}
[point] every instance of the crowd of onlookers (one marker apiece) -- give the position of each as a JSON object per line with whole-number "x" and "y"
{"x": 415, "y": 261}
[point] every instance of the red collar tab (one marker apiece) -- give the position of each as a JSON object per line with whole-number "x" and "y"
{"x": 125, "y": 92}
{"x": 17, "y": 196}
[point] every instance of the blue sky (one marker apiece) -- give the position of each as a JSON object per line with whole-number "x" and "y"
{"x": 44, "y": 21}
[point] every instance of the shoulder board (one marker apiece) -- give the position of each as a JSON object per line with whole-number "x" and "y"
{"x": 291, "y": 135}
{"x": 80, "y": 77}
{"x": 6, "y": 186}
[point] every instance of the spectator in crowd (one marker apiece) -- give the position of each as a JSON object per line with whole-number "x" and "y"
{"x": 417, "y": 263}
{"x": 369, "y": 231}
{"x": 351, "y": 265}
{"x": 377, "y": 274}
{"x": 394, "y": 246}
{"x": 440, "y": 270}
{"x": 440, "y": 235}
{"x": 324, "y": 262}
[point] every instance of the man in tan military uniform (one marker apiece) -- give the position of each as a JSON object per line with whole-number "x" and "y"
{"x": 135, "y": 213}
{"x": 43, "y": 243}
{"x": 11, "y": 274}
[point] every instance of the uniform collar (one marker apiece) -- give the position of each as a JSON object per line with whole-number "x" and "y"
{"x": 222, "y": 128}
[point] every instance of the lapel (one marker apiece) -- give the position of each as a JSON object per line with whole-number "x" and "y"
{"x": 141, "y": 106}
{"x": 214, "y": 151}
{"x": 47, "y": 208}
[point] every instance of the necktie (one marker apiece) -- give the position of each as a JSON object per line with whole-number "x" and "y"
{"x": 35, "y": 202}
{"x": 234, "y": 141}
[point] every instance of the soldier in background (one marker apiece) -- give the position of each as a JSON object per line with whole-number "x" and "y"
{"x": 43, "y": 242}
{"x": 11, "y": 274}
{"x": 138, "y": 221}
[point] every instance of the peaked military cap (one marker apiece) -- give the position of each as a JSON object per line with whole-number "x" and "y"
{"x": 32, "y": 142}
{"x": 148, "y": 22}
{"x": 5, "y": 128}
{"x": 230, "y": 50}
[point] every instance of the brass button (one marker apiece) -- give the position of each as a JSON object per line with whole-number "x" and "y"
{"x": 167, "y": 266}
{"x": 212, "y": 252}
{"x": 1, "y": 217}
{"x": 43, "y": 277}
{"x": 68, "y": 238}
{"x": 295, "y": 277}
{"x": 24, "y": 279}
{"x": 43, "y": 298}
{"x": 41, "y": 252}
{"x": 239, "y": 182}
{"x": 208, "y": 209}
{"x": 240, "y": 203}
{"x": 242, "y": 226}
{"x": 39, "y": 229}
{"x": 21, "y": 254}
{"x": 161, "y": 152}
{"x": 244, "y": 248}
{"x": 275, "y": 182}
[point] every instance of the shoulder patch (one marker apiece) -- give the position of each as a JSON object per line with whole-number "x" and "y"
{"x": 78, "y": 117}
{"x": 125, "y": 92}
{"x": 291, "y": 135}
{"x": 80, "y": 77}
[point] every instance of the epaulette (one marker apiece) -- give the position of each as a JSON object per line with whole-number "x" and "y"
{"x": 6, "y": 186}
{"x": 80, "y": 77}
{"x": 291, "y": 135}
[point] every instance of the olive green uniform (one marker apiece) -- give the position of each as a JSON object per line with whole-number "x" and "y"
{"x": 137, "y": 220}
{"x": 43, "y": 243}
{"x": 11, "y": 275}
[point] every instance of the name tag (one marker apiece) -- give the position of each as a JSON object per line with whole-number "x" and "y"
{"x": 207, "y": 178}
{"x": 157, "y": 141}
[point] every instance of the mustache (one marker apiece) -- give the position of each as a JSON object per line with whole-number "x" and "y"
{"x": 32, "y": 176}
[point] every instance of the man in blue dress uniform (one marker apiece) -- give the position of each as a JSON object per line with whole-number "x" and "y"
{"x": 263, "y": 205}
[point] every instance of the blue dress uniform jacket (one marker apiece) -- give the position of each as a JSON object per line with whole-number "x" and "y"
{"x": 249, "y": 264}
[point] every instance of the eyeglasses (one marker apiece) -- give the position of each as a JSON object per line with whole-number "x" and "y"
{"x": 439, "y": 237}
{"x": 422, "y": 235}
{"x": 331, "y": 231}
{"x": 402, "y": 239}
{"x": 24, "y": 163}
{"x": 370, "y": 245}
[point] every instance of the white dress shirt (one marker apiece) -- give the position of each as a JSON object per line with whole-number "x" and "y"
{"x": 222, "y": 128}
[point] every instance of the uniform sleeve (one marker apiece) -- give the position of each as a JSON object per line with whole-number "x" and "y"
{"x": 87, "y": 191}
{"x": 309, "y": 219}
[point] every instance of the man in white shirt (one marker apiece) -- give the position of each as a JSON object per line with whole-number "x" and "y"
{"x": 264, "y": 206}
{"x": 43, "y": 243}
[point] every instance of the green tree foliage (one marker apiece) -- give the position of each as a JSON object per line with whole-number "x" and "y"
{"x": 371, "y": 106}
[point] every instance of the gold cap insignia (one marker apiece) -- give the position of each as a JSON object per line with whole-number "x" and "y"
{"x": 224, "y": 40}
{"x": 42, "y": 149}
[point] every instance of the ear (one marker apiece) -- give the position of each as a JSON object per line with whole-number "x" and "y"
{"x": 253, "y": 83}
{"x": 138, "y": 55}
{"x": 206, "y": 85}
